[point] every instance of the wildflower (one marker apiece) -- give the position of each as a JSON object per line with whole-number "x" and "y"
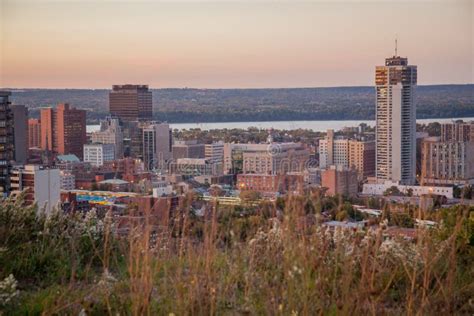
{"x": 8, "y": 290}
{"x": 107, "y": 280}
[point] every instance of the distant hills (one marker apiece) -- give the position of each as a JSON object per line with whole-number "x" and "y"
{"x": 231, "y": 105}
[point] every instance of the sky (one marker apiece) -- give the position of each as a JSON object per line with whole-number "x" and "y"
{"x": 230, "y": 44}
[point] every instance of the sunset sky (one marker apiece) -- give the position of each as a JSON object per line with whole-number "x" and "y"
{"x": 246, "y": 44}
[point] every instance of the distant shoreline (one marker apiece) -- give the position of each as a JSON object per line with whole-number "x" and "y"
{"x": 314, "y": 125}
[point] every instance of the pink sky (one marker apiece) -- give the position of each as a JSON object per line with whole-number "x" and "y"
{"x": 94, "y": 44}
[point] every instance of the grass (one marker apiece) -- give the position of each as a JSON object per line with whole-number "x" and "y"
{"x": 273, "y": 261}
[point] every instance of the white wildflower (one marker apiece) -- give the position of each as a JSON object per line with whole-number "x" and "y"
{"x": 8, "y": 290}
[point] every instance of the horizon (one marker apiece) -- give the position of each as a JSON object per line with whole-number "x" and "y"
{"x": 230, "y": 45}
{"x": 243, "y": 88}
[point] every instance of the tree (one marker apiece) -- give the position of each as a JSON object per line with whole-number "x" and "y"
{"x": 393, "y": 190}
{"x": 341, "y": 215}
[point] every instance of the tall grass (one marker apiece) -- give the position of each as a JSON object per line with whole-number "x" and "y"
{"x": 284, "y": 262}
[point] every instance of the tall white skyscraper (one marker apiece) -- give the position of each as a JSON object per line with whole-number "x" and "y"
{"x": 396, "y": 120}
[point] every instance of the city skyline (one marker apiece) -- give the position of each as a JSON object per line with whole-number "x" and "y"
{"x": 93, "y": 44}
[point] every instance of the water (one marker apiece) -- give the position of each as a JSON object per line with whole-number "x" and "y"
{"x": 318, "y": 126}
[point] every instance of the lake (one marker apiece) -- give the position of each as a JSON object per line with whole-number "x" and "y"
{"x": 318, "y": 126}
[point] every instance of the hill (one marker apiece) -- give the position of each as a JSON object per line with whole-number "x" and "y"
{"x": 221, "y": 105}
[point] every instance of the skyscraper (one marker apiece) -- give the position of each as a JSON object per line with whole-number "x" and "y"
{"x": 34, "y": 133}
{"x": 63, "y": 130}
{"x": 7, "y": 143}
{"x": 156, "y": 144}
{"x": 396, "y": 120}
{"x": 130, "y": 102}
{"x": 20, "y": 132}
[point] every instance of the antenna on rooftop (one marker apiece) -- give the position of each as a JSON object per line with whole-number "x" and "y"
{"x": 396, "y": 46}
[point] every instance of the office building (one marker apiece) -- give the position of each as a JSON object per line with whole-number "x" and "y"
{"x": 131, "y": 102}
{"x": 156, "y": 144}
{"x": 34, "y": 133}
{"x": 20, "y": 131}
{"x": 41, "y": 186}
{"x": 275, "y": 158}
{"x": 110, "y": 133}
{"x": 7, "y": 142}
{"x": 97, "y": 154}
{"x": 447, "y": 162}
{"x": 396, "y": 120}
{"x": 63, "y": 130}
{"x": 188, "y": 149}
{"x": 215, "y": 152}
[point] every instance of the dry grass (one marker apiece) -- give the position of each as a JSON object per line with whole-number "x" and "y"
{"x": 229, "y": 264}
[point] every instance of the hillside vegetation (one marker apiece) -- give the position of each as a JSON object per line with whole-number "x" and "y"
{"x": 275, "y": 259}
{"x": 225, "y": 105}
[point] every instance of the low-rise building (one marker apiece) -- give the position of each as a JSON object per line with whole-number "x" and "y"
{"x": 195, "y": 167}
{"x": 67, "y": 180}
{"x": 339, "y": 180}
{"x": 260, "y": 182}
{"x": 380, "y": 187}
{"x": 41, "y": 186}
{"x": 114, "y": 185}
{"x": 188, "y": 149}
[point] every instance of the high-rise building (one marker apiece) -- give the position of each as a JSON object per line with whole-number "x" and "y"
{"x": 110, "y": 133}
{"x": 97, "y": 154}
{"x": 362, "y": 157}
{"x": 358, "y": 154}
{"x": 333, "y": 151}
{"x": 458, "y": 131}
{"x": 396, "y": 120}
{"x": 131, "y": 102}
{"x": 7, "y": 142}
{"x": 41, "y": 186}
{"x": 63, "y": 130}
{"x": 157, "y": 142}
{"x": 34, "y": 133}
{"x": 447, "y": 162}
{"x": 20, "y": 130}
